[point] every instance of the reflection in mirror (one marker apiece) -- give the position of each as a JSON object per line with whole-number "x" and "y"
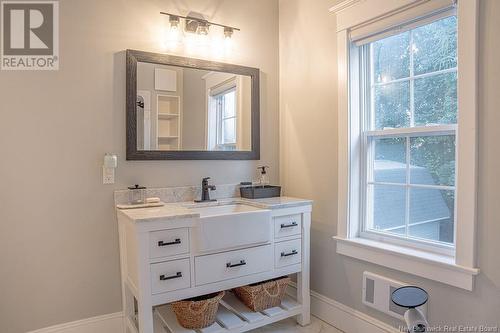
{"x": 189, "y": 109}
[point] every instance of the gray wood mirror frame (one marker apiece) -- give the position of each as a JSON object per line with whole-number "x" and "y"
{"x": 143, "y": 145}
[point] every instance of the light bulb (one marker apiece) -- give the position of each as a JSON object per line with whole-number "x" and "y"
{"x": 228, "y": 44}
{"x": 174, "y": 21}
{"x": 228, "y": 32}
{"x": 173, "y": 33}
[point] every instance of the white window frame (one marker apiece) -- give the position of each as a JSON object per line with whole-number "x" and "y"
{"x": 404, "y": 132}
{"x": 220, "y": 119}
{"x": 457, "y": 267}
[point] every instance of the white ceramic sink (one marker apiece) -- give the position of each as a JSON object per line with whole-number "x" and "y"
{"x": 230, "y": 226}
{"x": 224, "y": 209}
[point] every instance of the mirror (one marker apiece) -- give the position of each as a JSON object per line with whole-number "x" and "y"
{"x": 183, "y": 108}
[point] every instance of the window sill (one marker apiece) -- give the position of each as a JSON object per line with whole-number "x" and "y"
{"x": 428, "y": 265}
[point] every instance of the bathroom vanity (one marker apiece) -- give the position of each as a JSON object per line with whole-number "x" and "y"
{"x": 186, "y": 249}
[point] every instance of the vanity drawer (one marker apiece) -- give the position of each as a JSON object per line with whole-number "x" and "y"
{"x": 233, "y": 264}
{"x": 170, "y": 275}
{"x": 166, "y": 243}
{"x": 287, "y": 225}
{"x": 287, "y": 253}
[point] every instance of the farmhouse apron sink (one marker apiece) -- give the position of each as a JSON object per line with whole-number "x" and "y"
{"x": 230, "y": 226}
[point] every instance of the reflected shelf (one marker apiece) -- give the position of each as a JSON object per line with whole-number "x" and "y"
{"x": 167, "y": 116}
{"x": 167, "y": 138}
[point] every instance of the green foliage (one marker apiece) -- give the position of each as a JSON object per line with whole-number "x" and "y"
{"x": 429, "y": 48}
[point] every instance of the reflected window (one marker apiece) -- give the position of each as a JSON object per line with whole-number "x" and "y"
{"x": 225, "y": 104}
{"x": 223, "y": 116}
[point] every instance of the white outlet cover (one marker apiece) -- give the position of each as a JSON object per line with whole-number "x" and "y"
{"x": 108, "y": 175}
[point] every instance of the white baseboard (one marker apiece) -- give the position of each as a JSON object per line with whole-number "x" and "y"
{"x": 345, "y": 318}
{"x": 334, "y": 313}
{"x": 110, "y": 323}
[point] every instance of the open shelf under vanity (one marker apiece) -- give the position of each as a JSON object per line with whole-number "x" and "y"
{"x": 232, "y": 317}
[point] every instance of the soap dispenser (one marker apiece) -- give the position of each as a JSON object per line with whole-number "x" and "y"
{"x": 264, "y": 178}
{"x": 136, "y": 195}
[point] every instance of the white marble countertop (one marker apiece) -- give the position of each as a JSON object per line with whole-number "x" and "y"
{"x": 180, "y": 210}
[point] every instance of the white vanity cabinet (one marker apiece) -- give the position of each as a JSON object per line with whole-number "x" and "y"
{"x": 162, "y": 260}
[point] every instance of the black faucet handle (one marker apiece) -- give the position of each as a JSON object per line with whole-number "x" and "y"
{"x": 206, "y": 179}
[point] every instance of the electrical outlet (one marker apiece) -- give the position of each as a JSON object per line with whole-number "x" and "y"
{"x": 377, "y": 291}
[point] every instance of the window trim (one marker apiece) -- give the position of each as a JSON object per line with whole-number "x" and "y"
{"x": 351, "y": 14}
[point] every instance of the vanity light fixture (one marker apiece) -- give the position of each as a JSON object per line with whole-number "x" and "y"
{"x": 197, "y": 25}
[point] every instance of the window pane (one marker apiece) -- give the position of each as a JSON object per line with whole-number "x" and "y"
{"x": 390, "y": 160}
{"x": 392, "y": 105}
{"x": 436, "y": 99}
{"x": 391, "y": 58}
{"x": 229, "y": 104}
{"x": 388, "y": 208}
{"x": 432, "y": 160}
{"x": 435, "y": 46}
{"x": 229, "y": 131}
{"x": 432, "y": 214}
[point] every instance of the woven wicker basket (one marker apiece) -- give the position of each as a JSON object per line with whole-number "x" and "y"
{"x": 198, "y": 312}
{"x": 263, "y": 295}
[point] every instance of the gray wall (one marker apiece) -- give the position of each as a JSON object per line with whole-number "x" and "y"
{"x": 308, "y": 160}
{"x": 58, "y": 231}
{"x": 194, "y": 110}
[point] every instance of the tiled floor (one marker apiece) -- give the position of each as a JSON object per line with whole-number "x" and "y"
{"x": 290, "y": 325}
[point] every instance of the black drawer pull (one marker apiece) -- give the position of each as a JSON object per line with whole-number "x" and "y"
{"x": 294, "y": 252}
{"x": 176, "y": 241}
{"x": 291, "y": 225}
{"x": 241, "y": 263}
{"x": 176, "y": 276}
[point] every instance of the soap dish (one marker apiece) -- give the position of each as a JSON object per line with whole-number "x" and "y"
{"x": 260, "y": 192}
{"x": 144, "y": 205}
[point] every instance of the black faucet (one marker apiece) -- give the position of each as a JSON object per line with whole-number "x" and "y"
{"x": 205, "y": 190}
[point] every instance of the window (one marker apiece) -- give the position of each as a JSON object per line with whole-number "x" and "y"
{"x": 407, "y": 114}
{"x": 225, "y": 103}
{"x": 409, "y": 130}
{"x": 223, "y": 97}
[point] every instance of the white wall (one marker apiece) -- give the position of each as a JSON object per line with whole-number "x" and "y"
{"x": 58, "y": 233}
{"x": 308, "y": 160}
